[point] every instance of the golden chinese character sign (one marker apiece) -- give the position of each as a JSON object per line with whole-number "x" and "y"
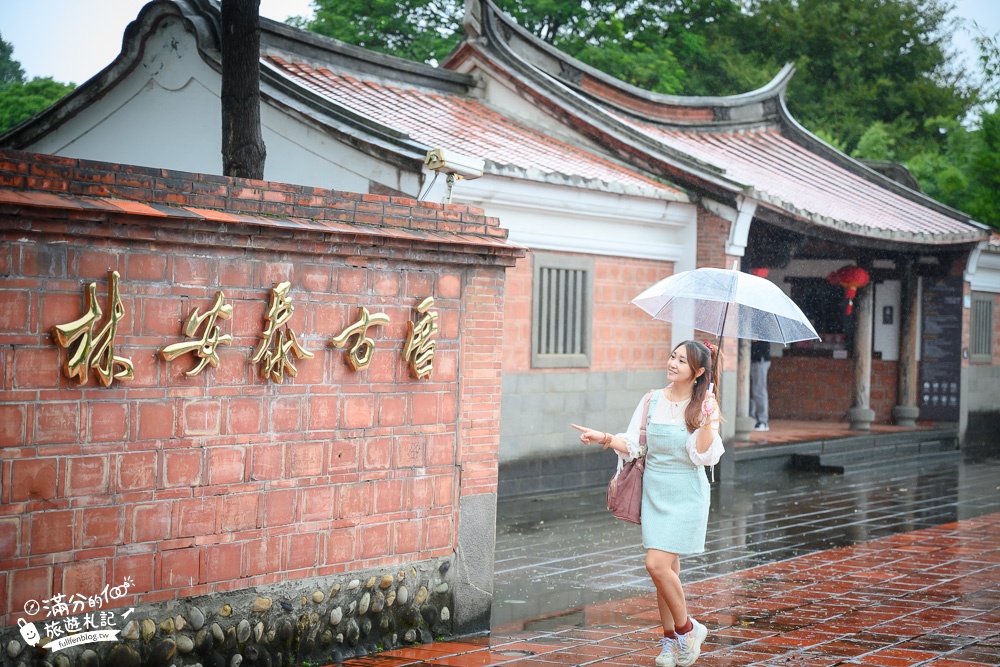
{"x": 211, "y": 336}
{"x": 274, "y": 349}
{"x": 95, "y": 349}
{"x": 360, "y": 354}
{"x": 420, "y": 344}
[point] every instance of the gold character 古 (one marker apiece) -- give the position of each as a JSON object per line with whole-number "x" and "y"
{"x": 211, "y": 336}
{"x": 277, "y": 360}
{"x": 95, "y": 350}
{"x": 420, "y": 344}
{"x": 360, "y": 354}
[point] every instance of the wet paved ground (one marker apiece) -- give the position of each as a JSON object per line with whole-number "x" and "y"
{"x": 929, "y": 597}
{"x": 779, "y": 584}
{"x": 556, "y": 553}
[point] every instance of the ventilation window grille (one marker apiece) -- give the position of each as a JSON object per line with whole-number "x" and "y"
{"x": 562, "y": 302}
{"x": 981, "y": 345}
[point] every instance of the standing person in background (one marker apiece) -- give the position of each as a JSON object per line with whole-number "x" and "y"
{"x": 682, "y": 437}
{"x": 760, "y": 362}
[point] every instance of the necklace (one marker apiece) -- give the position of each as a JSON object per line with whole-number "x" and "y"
{"x": 676, "y": 407}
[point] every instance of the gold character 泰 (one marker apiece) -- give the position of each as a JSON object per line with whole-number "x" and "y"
{"x": 95, "y": 350}
{"x": 276, "y": 360}
{"x": 420, "y": 344}
{"x": 211, "y": 336}
{"x": 360, "y": 354}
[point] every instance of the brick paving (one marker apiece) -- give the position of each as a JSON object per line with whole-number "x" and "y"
{"x": 560, "y": 551}
{"x": 925, "y": 597}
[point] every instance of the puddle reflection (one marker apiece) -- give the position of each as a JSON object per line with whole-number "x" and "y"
{"x": 558, "y": 553}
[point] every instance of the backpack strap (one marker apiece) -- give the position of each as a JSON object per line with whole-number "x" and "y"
{"x": 645, "y": 420}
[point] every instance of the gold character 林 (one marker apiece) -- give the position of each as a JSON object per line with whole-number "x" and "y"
{"x": 95, "y": 350}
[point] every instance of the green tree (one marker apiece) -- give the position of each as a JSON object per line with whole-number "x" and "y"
{"x": 421, "y": 30}
{"x": 862, "y": 61}
{"x": 639, "y": 57}
{"x": 21, "y": 101}
{"x": 10, "y": 69}
{"x": 964, "y": 172}
{"x": 636, "y": 42}
{"x": 941, "y": 170}
{"x": 666, "y": 46}
{"x": 983, "y": 201}
{"x": 877, "y": 143}
{"x": 962, "y": 168}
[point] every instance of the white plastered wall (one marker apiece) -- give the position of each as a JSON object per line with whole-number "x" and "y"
{"x": 981, "y": 389}
{"x": 166, "y": 113}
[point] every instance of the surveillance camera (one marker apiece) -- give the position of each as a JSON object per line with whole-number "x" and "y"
{"x": 452, "y": 163}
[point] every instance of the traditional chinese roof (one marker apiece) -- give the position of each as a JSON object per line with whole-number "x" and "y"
{"x": 729, "y": 147}
{"x": 780, "y": 173}
{"x": 467, "y": 126}
{"x": 391, "y": 108}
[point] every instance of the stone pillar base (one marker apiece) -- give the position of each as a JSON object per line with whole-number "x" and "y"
{"x": 905, "y": 415}
{"x": 744, "y": 426}
{"x": 861, "y": 418}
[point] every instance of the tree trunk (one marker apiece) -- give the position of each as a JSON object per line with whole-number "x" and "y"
{"x": 243, "y": 150}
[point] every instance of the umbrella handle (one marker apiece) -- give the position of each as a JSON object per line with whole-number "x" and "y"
{"x": 711, "y": 386}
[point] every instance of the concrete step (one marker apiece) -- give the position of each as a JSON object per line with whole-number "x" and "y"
{"x": 846, "y": 457}
{"x": 924, "y": 460}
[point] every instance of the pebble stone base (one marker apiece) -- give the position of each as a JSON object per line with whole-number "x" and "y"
{"x": 304, "y": 622}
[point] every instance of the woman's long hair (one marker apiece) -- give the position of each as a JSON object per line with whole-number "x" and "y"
{"x": 701, "y": 355}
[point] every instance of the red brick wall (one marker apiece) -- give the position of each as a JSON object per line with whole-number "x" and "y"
{"x": 819, "y": 389}
{"x": 224, "y": 480}
{"x": 616, "y": 281}
{"x": 140, "y": 190}
{"x": 615, "y": 345}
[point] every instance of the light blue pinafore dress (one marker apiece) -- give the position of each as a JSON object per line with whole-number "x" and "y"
{"x": 675, "y": 493}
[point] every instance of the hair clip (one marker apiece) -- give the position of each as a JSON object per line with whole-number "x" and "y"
{"x": 708, "y": 345}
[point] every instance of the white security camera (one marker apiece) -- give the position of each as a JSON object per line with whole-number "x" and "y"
{"x": 450, "y": 163}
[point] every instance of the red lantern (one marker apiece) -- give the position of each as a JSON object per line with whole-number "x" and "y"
{"x": 851, "y": 278}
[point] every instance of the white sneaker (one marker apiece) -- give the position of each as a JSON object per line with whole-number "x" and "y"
{"x": 689, "y": 645}
{"x": 668, "y": 656}
{"x": 761, "y": 426}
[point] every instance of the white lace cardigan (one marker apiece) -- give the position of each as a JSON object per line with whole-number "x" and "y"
{"x": 661, "y": 415}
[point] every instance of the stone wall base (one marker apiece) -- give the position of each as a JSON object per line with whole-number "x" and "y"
{"x": 319, "y": 620}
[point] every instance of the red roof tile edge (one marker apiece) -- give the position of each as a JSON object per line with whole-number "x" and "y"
{"x": 61, "y": 182}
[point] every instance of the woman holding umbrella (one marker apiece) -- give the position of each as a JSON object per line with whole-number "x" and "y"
{"x": 682, "y": 435}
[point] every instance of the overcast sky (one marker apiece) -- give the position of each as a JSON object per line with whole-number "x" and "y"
{"x": 72, "y": 40}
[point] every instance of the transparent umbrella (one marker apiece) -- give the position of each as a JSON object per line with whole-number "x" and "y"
{"x": 727, "y": 302}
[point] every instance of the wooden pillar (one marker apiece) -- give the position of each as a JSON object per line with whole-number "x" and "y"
{"x": 861, "y": 414}
{"x": 906, "y": 411}
{"x": 744, "y": 424}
